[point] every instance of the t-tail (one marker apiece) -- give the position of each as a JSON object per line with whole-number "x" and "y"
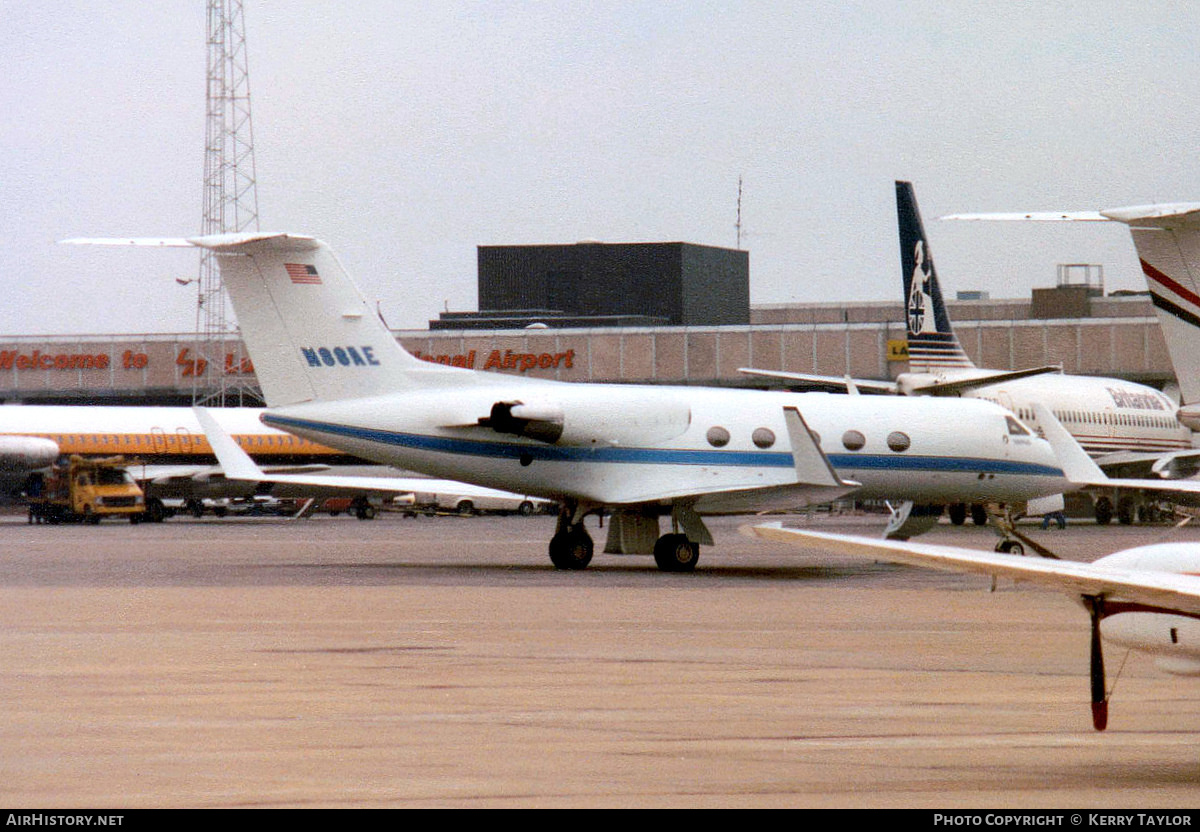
{"x": 1167, "y": 238}
{"x": 932, "y": 344}
{"x": 311, "y": 334}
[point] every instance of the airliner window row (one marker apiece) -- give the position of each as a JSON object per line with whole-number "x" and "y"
{"x": 1085, "y": 417}
{"x": 1123, "y": 419}
{"x": 159, "y": 440}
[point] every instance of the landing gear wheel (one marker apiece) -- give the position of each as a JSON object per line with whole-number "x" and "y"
{"x": 1126, "y": 511}
{"x": 675, "y": 553}
{"x": 979, "y": 515}
{"x": 155, "y": 511}
{"x": 571, "y": 549}
{"x": 1010, "y": 547}
{"x": 958, "y": 513}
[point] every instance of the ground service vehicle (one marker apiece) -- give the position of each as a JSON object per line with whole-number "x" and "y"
{"x": 85, "y": 490}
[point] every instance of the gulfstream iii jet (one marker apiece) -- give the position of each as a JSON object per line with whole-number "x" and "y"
{"x": 332, "y": 372}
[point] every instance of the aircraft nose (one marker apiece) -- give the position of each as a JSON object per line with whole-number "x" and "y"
{"x": 28, "y": 453}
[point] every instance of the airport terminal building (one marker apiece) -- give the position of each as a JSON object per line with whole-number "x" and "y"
{"x": 551, "y": 312}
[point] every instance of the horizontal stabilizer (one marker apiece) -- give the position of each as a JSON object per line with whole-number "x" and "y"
{"x": 843, "y": 383}
{"x": 1031, "y": 216}
{"x": 1139, "y": 215}
{"x": 215, "y": 242}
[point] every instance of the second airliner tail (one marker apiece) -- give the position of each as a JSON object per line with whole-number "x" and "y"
{"x": 932, "y": 344}
{"x": 1167, "y": 238}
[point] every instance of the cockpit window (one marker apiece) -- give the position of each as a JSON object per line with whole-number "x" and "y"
{"x": 1015, "y": 428}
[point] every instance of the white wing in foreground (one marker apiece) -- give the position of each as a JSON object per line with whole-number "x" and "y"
{"x": 1163, "y": 590}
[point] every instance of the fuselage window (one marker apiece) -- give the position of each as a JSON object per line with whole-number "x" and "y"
{"x": 853, "y": 440}
{"x": 718, "y": 437}
{"x": 898, "y": 441}
{"x": 763, "y": 437}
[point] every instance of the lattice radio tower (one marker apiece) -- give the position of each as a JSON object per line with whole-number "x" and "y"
{"x": 220, "y": 372}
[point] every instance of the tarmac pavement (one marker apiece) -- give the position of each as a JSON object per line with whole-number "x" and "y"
{"x": 439, "y": 662}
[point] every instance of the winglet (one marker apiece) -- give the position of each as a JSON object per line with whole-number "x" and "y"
{"x": 1077, "y": 466}
{"x": 812, "y": 466}
{"x": 235, "y": 462}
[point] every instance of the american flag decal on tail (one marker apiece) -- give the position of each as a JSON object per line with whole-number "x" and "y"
{"x": 303, "y": 274}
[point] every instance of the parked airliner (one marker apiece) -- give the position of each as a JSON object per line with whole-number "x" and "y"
{"x": 1146, "y": 598}
{"x": 1128, "y": 427}
{"x": 171, "y": 458}
{"x": 1167, "y": 239}
{"x": 331, "y": 372}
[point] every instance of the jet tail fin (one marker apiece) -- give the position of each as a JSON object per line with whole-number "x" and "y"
{"x": 932, "y": 344}
{"x": 310, "y": 333}
{"x": 1167, "y": 238}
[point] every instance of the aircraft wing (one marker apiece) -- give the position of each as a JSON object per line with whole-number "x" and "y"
{"x": 1164, "y": 590}
{"x": 1171, "y": 466}
{"x": 237, "y": 465}
{"x": 843, "y": 383}
{"x": 941, "y": 388}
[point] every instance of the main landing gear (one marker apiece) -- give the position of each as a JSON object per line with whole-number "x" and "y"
{"x": 571, "y": 547}
{"x": 629, "y": 533}
{"x": 675, "y": 553}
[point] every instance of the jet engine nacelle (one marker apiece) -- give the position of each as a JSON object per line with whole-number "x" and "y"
{"x": 27, "y": 453}
{"x": 1189, "y": 416}
{"x": 1173, "y": 639}
{"x": 1176, "y": 466}
{"x": 637, "y": 421}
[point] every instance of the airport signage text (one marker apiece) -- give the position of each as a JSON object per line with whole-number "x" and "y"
{"x": 504, "y": 360}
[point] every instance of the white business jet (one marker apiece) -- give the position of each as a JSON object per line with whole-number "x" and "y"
{"x": 1146, "y": 598}
{"x": 333, "y": 373}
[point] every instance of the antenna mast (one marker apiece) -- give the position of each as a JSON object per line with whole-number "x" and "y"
{"x": 221, "y": 374}
{"x": 738, "y": 224}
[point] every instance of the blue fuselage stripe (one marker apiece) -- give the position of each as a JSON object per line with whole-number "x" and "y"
{"x": 659, "y": 456}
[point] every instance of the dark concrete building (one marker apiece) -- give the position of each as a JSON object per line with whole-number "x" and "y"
{"x": 598, "y": 284}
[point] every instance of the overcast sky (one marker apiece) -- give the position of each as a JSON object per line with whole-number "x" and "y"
{"x": 406, "y": 134}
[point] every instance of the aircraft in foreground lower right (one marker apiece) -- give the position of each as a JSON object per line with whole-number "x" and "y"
{"x": 1146, "y": 598}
